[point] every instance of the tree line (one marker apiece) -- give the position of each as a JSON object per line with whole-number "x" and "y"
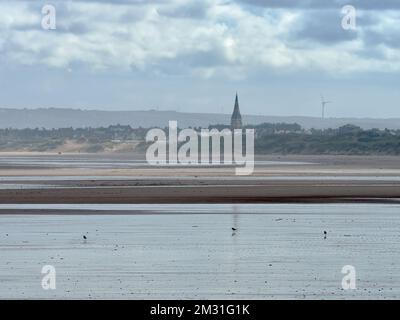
{"x": 270, "y": 138}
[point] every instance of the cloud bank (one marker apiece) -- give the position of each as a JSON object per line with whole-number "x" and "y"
{"x": 210, "y": 38}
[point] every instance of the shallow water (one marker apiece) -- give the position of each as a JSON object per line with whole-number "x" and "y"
{"x": 279, "y": 254}
{"x": 219, "y": 178}
{"x": 16, "y": 186}
{"x": 197, "y": 208}
{"x": 104, "y": 163}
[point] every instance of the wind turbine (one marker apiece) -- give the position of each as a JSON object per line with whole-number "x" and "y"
{"x": 323, "y": 103}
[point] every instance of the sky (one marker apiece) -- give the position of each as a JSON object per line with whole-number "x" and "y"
{"x": 193, "y": 55}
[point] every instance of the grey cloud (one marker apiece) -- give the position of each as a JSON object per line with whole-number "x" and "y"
{"x": 77, "y": 28}
{"x": 390, "y": 39}
{"x": 304, "y": 4}
{"x": 112, "y": 38}
{"x": 322, "y": 26}
{"x": 184, "y": 62}
{"x": 204, "y": 58}
{"x": 312, "y": 4}
{"x": 373, "y": 35}
{"x": 192, "y": 9}
{"x": 377, "y": 4}
{"x": 325, "y": 4}
{"x": 131, "y": 2}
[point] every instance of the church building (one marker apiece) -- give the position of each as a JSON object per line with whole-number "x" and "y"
{"x": 236, "y": 119}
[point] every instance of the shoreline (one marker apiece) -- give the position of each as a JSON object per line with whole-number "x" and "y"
{"x": 109, "y": 179}
{"x": 190, "y": 192}
{"x": 280, "y": 254}
{"x": 125, "y": 212}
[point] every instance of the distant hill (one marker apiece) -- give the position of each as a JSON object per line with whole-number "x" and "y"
{"x": 63, "y": 118}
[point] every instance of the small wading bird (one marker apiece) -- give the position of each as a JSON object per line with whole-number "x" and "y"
{"x": 84, "y": 237}
{"x": 234, "y": 229}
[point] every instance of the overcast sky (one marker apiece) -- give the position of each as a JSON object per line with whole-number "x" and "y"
{"x": 280, "y": 55}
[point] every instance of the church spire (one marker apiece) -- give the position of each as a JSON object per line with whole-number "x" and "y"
{"x": 236, "y": 119}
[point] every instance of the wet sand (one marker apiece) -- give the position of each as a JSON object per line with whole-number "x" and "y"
{"x": 278, "y": 253}
{"x": 196, "y": 193}
{"x": 165, "y": 233}
{"x": 128, "y": 179}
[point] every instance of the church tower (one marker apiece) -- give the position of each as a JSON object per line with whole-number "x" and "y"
{"x": 236, "y": 119}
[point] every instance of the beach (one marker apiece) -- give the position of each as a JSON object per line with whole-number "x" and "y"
{"x": 113, "y": 228}
{"x": 129, "y": 179}
{"x": 278, "y": 251}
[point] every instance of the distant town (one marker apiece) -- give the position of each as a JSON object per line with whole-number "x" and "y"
{"x": 270, "y": 138}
